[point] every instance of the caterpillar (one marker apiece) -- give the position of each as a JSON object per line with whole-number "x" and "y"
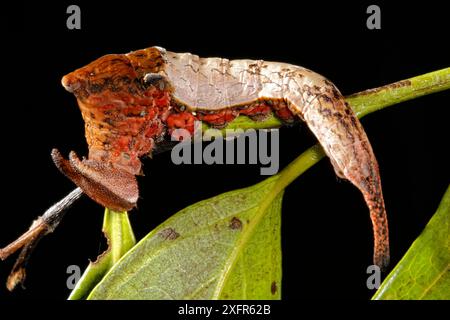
{"x": 130, "y": 102}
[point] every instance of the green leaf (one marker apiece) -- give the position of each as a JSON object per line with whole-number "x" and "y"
{"x": 226, "y": 247}
{"x": 423, "y": 273}
{"x": 118, "y": 232}
{"x": 199, "y": 253}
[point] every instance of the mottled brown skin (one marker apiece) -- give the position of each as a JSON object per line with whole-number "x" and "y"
{"x": 130, "y": 102}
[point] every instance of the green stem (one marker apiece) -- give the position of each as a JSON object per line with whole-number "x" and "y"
{"x": 117, "y": 228}
{"x": 372, "y": 100}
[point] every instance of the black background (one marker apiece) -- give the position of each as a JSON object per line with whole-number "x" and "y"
{"x": 326, "y": 232}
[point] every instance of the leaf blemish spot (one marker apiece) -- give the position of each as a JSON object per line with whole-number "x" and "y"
{"x": 169, "y": 234}
{"x": 273, "y": 287}
{"x": 235, "y": 224}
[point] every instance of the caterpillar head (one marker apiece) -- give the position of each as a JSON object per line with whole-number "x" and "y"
{"x": 122, "y": 98}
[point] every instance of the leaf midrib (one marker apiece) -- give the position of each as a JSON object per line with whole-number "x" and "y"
{"x": 238, "y": 249}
